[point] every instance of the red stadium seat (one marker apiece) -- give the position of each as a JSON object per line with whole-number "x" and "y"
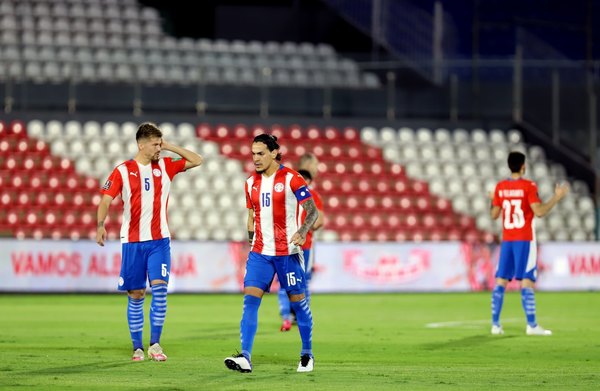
{"x": 204, "y": 131}
{"x": 222, "y": 132}
{"x": 241, "y": 132}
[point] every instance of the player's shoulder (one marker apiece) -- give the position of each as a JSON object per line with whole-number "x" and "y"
{"x": 528, "y": 182}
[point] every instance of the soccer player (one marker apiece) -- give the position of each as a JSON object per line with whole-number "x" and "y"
{"x": 308, "y": 254}
{"x": 274, "y": 195}
{"x": 143, "y": 183}
{"x": 517, "y": 200}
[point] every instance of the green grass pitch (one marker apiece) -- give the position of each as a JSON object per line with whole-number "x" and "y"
{"x": 361, "y": 342}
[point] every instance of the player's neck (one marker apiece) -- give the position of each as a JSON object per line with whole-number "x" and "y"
{"x": 516, "y": 175}
{"x": 271, "y": 170}
{"x": 142, "y": 159}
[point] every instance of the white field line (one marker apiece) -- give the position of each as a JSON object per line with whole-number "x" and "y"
{"x": 469, "y": 324}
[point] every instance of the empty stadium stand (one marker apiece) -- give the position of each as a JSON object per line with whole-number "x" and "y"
{"x": 121, "y": 41}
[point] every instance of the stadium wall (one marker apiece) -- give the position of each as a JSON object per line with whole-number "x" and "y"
{"x": 210, "y": 267}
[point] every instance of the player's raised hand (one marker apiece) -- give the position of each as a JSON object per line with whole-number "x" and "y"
{"x": 298, "y": 239}
{"x": 165, "y": 145}
{"x": 101, "y": 236}
{"x": 561, "y": 190}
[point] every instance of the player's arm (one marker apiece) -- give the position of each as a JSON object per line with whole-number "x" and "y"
{"x": 495, "y": 212}
{"x": 192, "y": 159}
{"x": 101, "y": 215}
{"x": 250, "y": 226}
{"x": 542, "y": 209}
{"x": 312, "y": 213}
{"x": 494, "y": 207}
{"x": 319, "y": 222}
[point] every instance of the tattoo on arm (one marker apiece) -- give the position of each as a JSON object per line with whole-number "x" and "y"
{"x": 312, "y": 213}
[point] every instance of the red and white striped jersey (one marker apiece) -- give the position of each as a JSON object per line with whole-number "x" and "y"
{"x": 276, "y": 201}
{"x": 145, "y": 194}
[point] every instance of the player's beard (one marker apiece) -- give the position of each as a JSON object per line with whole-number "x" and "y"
{"x": 155, "y": 157}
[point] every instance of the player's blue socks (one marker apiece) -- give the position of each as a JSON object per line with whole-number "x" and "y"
{"x": 158, "y": 311}
{"x": 528, "y": 301}
{"x": 305, "y": 324}
{"x": 284, "y": 305}
{"x": 497, "y": 300}
{"x": 249, "y": 324}
{"x": 135, "y": 319}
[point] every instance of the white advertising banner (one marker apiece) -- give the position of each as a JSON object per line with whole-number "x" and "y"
{"x": 569, "y": 266}
{"x": 389, "y": 267}
{"x": 83, "y": 266}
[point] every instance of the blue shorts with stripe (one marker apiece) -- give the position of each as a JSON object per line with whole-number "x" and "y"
{"x": 260, "y": 270}
{"x": 144, "y": 261}
{"x": 518, "y": 259}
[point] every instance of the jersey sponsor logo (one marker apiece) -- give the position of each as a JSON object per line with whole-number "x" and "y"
{"x": 107, "y": 184}
{"x": 279, "y": 187}
{"x": 156, "y": 172}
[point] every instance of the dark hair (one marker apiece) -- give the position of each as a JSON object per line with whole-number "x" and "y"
{"x": 305, "y": 174}
{"x": 147, "y": 130}
{"x": 515, "y": 161}
{"x": 270, "y": 141}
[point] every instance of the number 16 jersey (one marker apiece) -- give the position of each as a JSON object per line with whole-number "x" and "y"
{"x": 514, "y": 197}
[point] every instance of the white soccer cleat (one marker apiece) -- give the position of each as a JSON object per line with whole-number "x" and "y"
{"x": 155, "y": 353}
{"x": 239, "y": 363}
{"x": 497, "y": 330}
{"x": 537, "y": 330}
{"x": 306, "y": 364}
{"x": 138, "y": 355}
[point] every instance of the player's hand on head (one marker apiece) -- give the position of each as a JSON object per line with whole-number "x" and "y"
{"x": 561, "y": 189}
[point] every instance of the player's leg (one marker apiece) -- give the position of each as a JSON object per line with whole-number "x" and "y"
{"x": 308, "y": 267}
{"x": 257, "y": 280}
{"x": 133, "y": 280}
{"x": 291, "y": 275}
{"x": 526, "y": 255}
{"x": 504, "y": 273}
{"x": 284, "y": 310}
{"x": 159, "y": 269}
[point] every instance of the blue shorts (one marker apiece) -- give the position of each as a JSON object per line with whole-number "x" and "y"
{"x": 141, "y": 261}
{"x": 260, "y": 270}
{"x": 518, "y": 260}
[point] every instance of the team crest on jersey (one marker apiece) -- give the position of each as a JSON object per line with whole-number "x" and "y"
{"x": 278, "y": 187}
{"x": 156, "y": 172}
{"x": 107, "y": 184}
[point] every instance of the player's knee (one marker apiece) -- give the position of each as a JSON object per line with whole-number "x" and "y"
{"x": 137, "y": 294}
{"x": 157, "y": 282}
{"x": 296, "y": 298}
{"x": 254, "y": 291}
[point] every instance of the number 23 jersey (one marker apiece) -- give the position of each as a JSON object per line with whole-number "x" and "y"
{"x": 514, "y": 197}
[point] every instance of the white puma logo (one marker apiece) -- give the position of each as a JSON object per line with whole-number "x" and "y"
{"x": 254, "y": 188}
{"x": 133, "y": 173}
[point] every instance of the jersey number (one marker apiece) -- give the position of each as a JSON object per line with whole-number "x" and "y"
{"x": 147, "y": 184}
{"x": 265, "y": 199}
{"x": 291, "y": 279}
{"x": 513, "y": 214}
